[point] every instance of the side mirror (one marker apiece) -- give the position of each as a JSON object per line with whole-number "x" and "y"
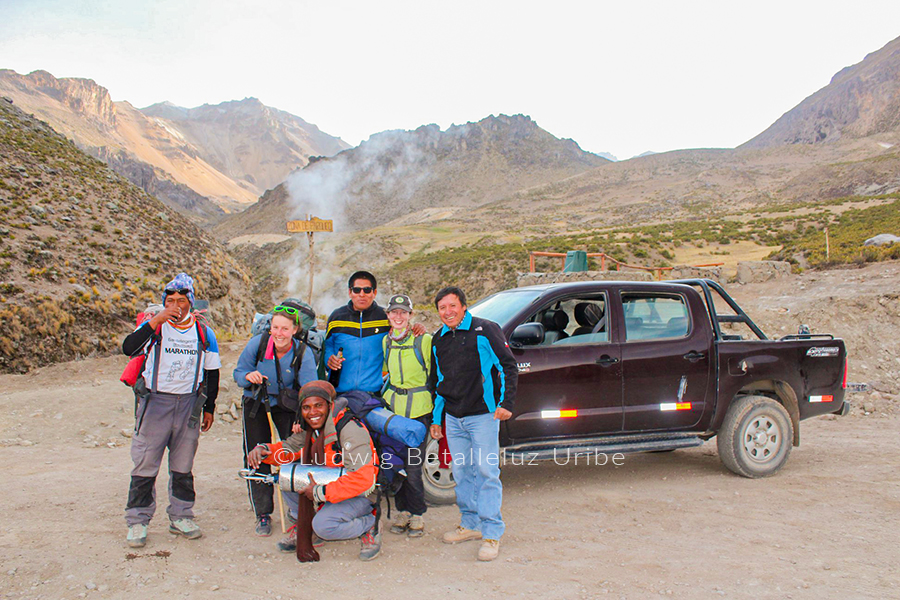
{"x": 527, "y": 334}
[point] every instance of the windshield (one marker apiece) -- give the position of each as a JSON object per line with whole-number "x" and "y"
{"x": 503, "y": 306}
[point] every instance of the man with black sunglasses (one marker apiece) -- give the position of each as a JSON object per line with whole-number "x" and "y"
{"x": 353, "y": 338}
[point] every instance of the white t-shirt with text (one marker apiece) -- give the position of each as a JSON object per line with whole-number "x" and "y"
{"x": 178, "y": 359}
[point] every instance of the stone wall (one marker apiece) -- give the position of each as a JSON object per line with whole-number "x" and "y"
{"x": 678, "y": 272}
{"x": 753, "y": 271}
{"x": 686, "y": 272}
{"x": 623, "y": 275}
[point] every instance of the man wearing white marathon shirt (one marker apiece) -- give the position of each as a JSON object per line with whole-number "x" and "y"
{"x": 182, "y": 362}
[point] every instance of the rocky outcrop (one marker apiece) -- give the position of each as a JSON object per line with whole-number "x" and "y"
{"x": 755, "y": 271}
{"x": 860, "y": 100}
{"x": 882, "y": 239}
{"x": 158, "y": 183}
{"x": 688, "y": 272}
{"x": 82, "y": 96}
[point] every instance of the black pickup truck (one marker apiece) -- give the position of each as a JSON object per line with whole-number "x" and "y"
{"x": 615, "y": 366}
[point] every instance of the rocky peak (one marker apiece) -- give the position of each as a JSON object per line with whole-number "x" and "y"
{"x": 83, "y": 96}
{"x": 503, "y": 133}
{"x": 861, "y": 100}
{"x": 165, "y": 110}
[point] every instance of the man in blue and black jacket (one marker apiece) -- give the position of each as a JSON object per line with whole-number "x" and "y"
{"x": 476, "y": 389}
{"x": 353, "y": 338}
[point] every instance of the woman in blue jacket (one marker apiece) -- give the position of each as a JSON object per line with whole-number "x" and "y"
{"x": 284, "y": 364}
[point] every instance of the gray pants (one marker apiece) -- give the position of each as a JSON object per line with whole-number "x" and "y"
{"x": 163, "y": 422}
{"x": 342, "y": 521}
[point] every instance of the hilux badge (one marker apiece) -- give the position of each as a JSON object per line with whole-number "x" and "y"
{"x": 819, "y": 351}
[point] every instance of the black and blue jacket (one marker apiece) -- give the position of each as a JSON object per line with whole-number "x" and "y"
{"x": 476, "y": 371}
{"x": 360, "y": 334}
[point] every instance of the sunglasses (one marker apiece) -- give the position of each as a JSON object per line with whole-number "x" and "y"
{"x": 362, "y": 290}
{"x": 288, "y": 310}
{"x": 182, "y": 291}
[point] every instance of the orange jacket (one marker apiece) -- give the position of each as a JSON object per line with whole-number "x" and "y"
{"x": 353, "y": 450}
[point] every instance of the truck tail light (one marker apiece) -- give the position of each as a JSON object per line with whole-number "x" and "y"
{"x": 846, "y": 368}
{"x": 821, "y": 398}
{"x": 559, "y": 414}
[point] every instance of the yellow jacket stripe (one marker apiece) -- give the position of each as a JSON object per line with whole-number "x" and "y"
{"x": 354, "y": 325}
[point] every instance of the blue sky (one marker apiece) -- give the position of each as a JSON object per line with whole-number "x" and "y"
{"x": 613, "y": 77}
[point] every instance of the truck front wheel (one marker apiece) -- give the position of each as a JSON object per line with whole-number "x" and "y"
{"x": 756, "y": 436}
{"x": 439, "y": 485}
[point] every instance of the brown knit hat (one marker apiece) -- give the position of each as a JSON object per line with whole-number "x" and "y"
{"x": 320, "y": 389}
{"x": 317, "y": 389}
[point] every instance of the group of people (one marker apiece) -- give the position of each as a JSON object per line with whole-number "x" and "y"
{"x": 459, "y": 382}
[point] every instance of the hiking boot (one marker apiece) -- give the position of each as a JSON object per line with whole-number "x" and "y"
{"x": 416, "y": 526}
{"x": 370, "y": 543}
{"x": 461, "y": 534}
{"x": 489, "y": 550}
{"x": 137, "y": 536}
{"x": 185, "y": 527}
{"x": 401, "y": 522}
{"x": 264, "y": 525}
{"x": 289, "y": 542}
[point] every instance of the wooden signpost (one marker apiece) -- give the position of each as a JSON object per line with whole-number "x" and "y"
{"x": 310, "y": 226}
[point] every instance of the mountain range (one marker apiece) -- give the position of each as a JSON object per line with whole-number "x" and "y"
{"x": 502, "y": 179}
{"x": 202, "y": 161}
{"x": 402, "y": 177}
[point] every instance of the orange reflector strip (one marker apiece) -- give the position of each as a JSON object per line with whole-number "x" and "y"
{"x": 821, "y": 398}
{"x": 559, "y": 414}
{"x": 675, "y": 406}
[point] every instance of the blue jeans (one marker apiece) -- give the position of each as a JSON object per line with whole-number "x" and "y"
{"x": 474, "y": 444}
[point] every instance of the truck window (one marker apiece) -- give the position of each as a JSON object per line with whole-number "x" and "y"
{"x": 578, "y": 320}
{"x": 654, "y": 316}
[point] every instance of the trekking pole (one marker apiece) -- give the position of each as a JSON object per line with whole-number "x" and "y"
{"x": 277, "y": 469}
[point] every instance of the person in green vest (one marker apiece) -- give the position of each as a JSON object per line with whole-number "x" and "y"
{"x": 409, "y": 393}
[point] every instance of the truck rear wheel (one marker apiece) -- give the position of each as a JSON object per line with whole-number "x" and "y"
{"x": 440, "y": 488}
{"x": 756, "y": 437}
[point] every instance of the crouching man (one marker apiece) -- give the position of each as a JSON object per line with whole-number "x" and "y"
{"x": 328, "y": 435}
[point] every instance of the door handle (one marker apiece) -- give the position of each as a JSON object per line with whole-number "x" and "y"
{"x": 607, "y": 361}
{"x": 694, "y": 356}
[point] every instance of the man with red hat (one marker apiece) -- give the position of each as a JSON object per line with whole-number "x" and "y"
{"x": 328, "y": 435}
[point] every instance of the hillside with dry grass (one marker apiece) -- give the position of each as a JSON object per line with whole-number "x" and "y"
{"x": 82, "y": 251}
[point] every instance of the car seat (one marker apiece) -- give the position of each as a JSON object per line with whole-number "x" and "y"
{"x": 554, "y": 322}
{"x": 588, "y": 316}
{"x": 677, "y": 327}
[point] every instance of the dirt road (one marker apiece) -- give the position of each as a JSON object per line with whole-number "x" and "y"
{"x": 675, "y": 524}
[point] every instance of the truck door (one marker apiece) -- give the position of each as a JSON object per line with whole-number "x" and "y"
{"x": 666, "y": 360}
{"x": 571, "y": 383}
